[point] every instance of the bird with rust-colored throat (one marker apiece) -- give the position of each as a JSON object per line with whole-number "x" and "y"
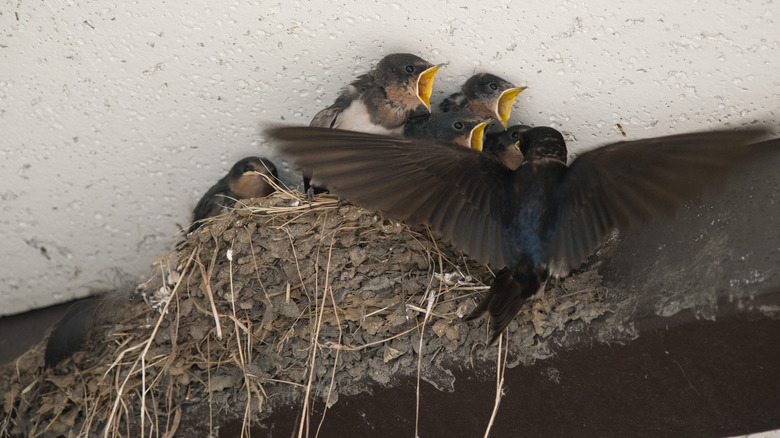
{"x": 382, "y": 100}
{"x": 505, "y": 145}
{"x": 457, "y": 128}
{"x": 544, "y": 218}
{"x": 249, "y": 177}
{"x": 486, "y": 95}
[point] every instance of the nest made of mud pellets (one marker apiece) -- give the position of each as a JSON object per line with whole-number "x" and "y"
{"x": 279, "y": 302}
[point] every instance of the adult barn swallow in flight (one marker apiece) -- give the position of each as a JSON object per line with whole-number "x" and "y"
{"x": 543, "y": 218}
{"x": 486, "y": 95}
{"x": 382, "y": 100}
{"x": 248, "y": 178}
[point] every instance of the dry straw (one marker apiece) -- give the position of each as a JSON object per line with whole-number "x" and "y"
{"x": 280, "y": 301}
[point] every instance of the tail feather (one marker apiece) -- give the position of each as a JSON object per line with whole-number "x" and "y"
{"x": 507, "y": 295}
{"x": 71, "y": 332}
{"x": 80, "y": 322}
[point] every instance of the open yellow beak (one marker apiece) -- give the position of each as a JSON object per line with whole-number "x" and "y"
{"x": 475, "y": 138}
{"x": 504, "y": 104}
{"x": 425, "y": 85}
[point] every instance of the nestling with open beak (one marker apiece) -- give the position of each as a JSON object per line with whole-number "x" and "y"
{"x": 505, "y": 145}
{"x": 485, "y": 95}
{"x": 382, "y": 100}
{"x": 460, "y": 128}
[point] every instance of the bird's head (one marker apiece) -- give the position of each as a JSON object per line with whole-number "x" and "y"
{"x": 408, "y": 72}
{"x": 506, "y": 146}
{"x": 460, "y": 128}
{"x": 497, "y": 95}
{"x": 251, "y": 177}
{"x": 542, "y": 142}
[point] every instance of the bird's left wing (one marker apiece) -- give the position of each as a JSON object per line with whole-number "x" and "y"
{"x": 629, "y": 183}
{"x": 460, "y": 193}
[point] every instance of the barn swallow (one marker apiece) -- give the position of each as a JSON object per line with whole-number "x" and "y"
{"x": 77, "y": 325}
{"x": 461, "y": 128}
{"x": 70, "y": 333}
{"x": 505, "y": 145}
{"x": 543, "y": 218}
{"x": 382, "y": 100}
{"x": 486, "y": 95}
{"x": 248, "y": 178}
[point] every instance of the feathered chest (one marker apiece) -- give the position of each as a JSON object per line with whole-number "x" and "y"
{"x": 358, "y": 117}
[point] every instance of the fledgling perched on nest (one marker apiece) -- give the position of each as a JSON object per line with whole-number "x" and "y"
{"x": 250, "y": 177}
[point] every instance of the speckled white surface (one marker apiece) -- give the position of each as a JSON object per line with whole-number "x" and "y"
{"x": 116, "y": 116}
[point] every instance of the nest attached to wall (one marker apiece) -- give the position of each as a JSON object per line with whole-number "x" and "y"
{"x": 282, "y": 303}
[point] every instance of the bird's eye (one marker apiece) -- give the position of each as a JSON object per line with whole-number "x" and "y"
{"x": 515, "y": 135}
{"x": 409, "y": 68}
{"x": 458, "y": 125}
{"x": 493, "y": 86}
{"x": 247, "y": 169}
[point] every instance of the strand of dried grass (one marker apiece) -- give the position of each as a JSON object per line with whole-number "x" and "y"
{"x": 305, "y": 420}
{"x": 242, "y": 360}
{"x": 371, "y": 344}
{"x": 124, "y": 410}
{"x": 257, "y": 269}
{"x": 174, "y": 351}
{"x": 208, "y": 380}
{"x": 207, "y": 284}
{"x": 240, "y": 203}
{"x": 148, "y": 343}
{"x": 171, "y": 425}
{"x": 336, "y": 358}
{"x": 168, "y": 359}
{"x": 300, "y": 276}
{"x": 287, "y": 382}
{"x": 500, "y": 368}
{"x": 431, "y": 301}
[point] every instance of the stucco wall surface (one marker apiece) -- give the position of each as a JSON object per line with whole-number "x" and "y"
{"x": 116, "y": 116}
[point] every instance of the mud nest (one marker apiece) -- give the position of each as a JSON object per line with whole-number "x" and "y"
{"x": 280, "y": 303}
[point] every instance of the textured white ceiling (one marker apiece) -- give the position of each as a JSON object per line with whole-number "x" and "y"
{"x": 116, "y": 116}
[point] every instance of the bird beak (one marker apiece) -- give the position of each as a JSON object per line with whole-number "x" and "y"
{"x": 475, "y": 139}
{"x": 522, "y": 155}
{"x": 425, "y": 85}
{"x": 504, "y": 104}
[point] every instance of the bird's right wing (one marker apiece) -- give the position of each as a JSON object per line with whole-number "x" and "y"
{"x": 460, "y": 193}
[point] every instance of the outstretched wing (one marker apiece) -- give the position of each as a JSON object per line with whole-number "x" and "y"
{"x": 629, "y": 183}
{"x": 461, "y": 194}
